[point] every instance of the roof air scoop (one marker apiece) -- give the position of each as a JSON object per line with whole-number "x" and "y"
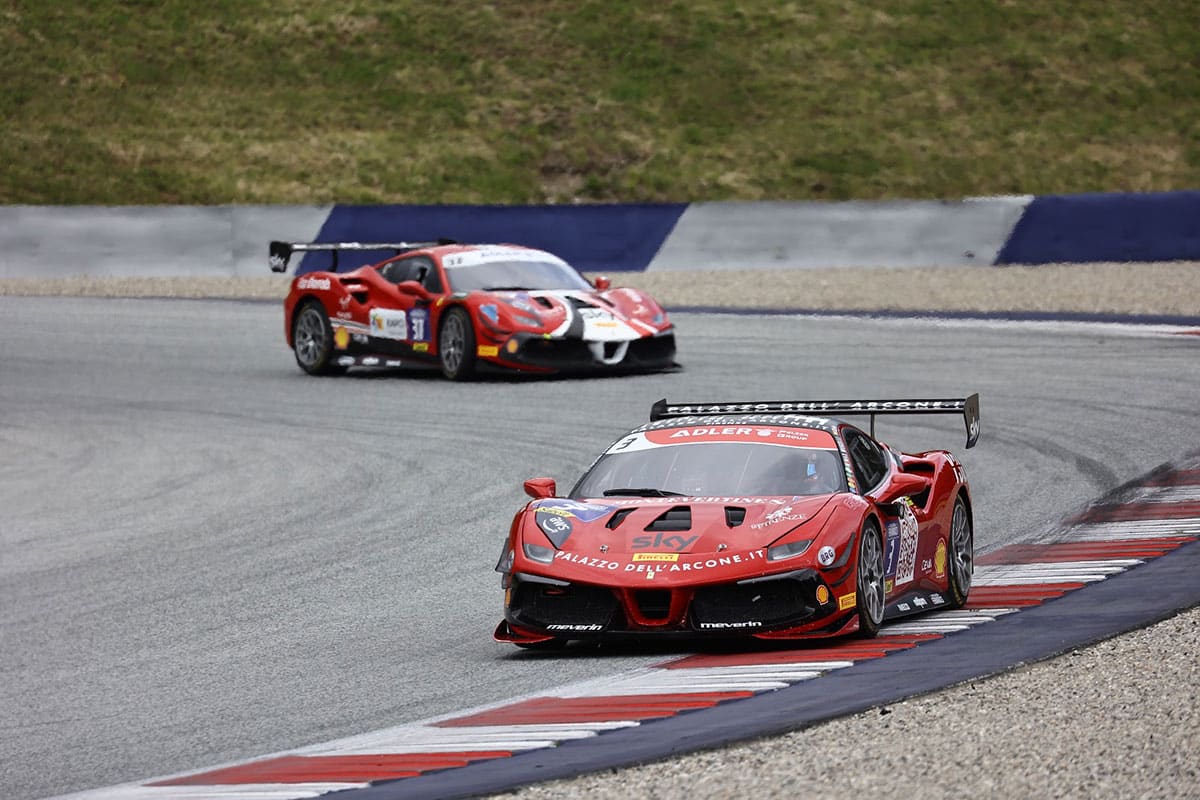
{"x": 734, "y": 516}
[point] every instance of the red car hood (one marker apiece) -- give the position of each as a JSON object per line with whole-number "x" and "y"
{"x": 628, "y": 525}
{"x": 613, "y": 315}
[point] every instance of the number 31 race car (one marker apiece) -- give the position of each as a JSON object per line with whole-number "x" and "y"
{"x": 463, "y": 307}
{"x": 775, "y": 520}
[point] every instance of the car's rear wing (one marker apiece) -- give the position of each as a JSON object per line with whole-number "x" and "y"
{"x": 280, "y": 253}
{"x": 967, "y": 406}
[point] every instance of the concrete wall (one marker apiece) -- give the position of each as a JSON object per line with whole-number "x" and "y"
{"x": 49, "y": 241}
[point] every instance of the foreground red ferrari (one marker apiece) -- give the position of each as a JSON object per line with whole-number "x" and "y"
{"x": 776, "y": 520}
{"x": 463, "y": 307}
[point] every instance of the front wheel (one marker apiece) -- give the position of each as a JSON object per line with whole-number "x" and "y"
{"x": 962, "y": 555}
{"x": 456, "y": 345}
{"x": 870, "y": 583}
{"x": 312, "y": 340}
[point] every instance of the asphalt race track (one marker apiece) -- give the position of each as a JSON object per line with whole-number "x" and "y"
{"x": 207, "y": 555}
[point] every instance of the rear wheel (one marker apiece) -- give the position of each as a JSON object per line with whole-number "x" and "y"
{"x": 456, "y": 345}
{"x": 962, "y": 554}
{"x": 870, "y": 582}
{"x": 312, "y": 340}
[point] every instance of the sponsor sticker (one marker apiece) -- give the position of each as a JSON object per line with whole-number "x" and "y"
{"x": 939, "y": 559}
{"x": 822, "y": 594}
{"x": 418, "y": 325}
{"x": 341, "y": 338}
{"x": 487, "y": 351}
{"x": 847, "y": 601}
{"x": 557, "y": 528}
{"x": 755, "y": 434}
{"x": 313, "y": 283}
{"x": 585, "y": 512}
{"x": 420, "y": 347}
{"x": 673, "y": 542}
{"x": 389, "y": 323}
{"x": 656, "y": 556}
{"x": 906, "y": 558}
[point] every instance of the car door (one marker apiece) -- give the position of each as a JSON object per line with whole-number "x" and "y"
{"x": 403, "y": 322}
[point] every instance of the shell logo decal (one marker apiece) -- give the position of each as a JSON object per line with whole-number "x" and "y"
{"x": 939, "y": 559}
{"x": 341, "y": 338}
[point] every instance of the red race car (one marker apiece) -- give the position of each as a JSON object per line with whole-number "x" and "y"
{"x": 467, "y": 306}
{"x": 776, "y": 520}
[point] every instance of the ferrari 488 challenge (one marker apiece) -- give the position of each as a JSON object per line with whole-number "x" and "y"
{"x": 776, "y": 520}
{"x": 464, "y": 307}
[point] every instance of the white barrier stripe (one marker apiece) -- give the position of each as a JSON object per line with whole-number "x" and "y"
{"x": 648, "y": 688}
{"x": 1040, "y": 580}
{"x": 1136, "y": 529}
{"x": 806, "y": 666}
{"x": 926, "y": 627}
{"x": 239, "y": 791}
{"x": 781, "y": 671}
{"x": 443, "y": 737}
{"x": 1168, "y": 494}
{"x": 1107, "y": 565}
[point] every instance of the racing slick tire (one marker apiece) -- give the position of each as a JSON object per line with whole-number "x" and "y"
{"x": 312, "y": 340}
{"x": 869, "y": 581}
{"x": 961, "y": 555}
{"x": 456, "y": 345}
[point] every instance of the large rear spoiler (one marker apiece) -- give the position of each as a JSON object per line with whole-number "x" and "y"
{"x": 968, "y": 407}
{"x": 281, "y": 252}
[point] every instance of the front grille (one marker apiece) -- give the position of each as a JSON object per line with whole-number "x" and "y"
{"x": 787, "y": 600}
{"x": 653, "y": 603}
{"x": 542, "y": 605}
{"x": 651, "y": 353}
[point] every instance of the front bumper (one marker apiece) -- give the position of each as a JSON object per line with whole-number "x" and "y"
{"x": 798, "y": 602}
{"x": 570, "y": 354}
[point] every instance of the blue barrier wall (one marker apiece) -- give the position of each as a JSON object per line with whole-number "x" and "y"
{"x": 615, "y": 237}
{"x": 1106, "y": 227}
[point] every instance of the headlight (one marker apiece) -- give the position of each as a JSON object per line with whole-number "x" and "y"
{"x": 532, "y": 322}
{"x": 536, "y": 552}
{"x": 782, "y": 551}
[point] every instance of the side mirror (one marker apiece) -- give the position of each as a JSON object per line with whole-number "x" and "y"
{"x": 904, "y": 485}
{"x": 413, "y": 288}
{"x": 540, "y": 488}
{"x": 602, "y": 283}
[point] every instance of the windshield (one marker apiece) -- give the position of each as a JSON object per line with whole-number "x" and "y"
{"x": 512, "y": 269}
{"x": 716, "y": 469}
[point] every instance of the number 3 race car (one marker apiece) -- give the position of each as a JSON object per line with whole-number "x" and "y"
{"x": 775, "y": 520}
{"x": 464, "y": 307}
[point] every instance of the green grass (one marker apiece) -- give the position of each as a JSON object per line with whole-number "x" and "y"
{"x": 550, "y": 101}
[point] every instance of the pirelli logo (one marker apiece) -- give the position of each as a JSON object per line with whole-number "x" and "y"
{"x": 655, "y": 557}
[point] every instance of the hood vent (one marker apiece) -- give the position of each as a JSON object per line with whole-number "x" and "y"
{"x": 678, "y": 518}
{"x": 617, "y": 518}
{"x": 734, "y": 516}
{"x": 543, "y": 301}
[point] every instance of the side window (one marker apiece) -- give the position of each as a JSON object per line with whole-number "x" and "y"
{"x": 868, "y": 460}
{"x": 430, "y": 278}
{"x": 417, "y": 268}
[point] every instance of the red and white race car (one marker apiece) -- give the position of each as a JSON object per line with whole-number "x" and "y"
{"x": 776, "y": 520}
{"x": 467, "y": 306}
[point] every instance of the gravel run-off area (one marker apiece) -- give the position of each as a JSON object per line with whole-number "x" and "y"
{"x": 1171, "y": 288}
